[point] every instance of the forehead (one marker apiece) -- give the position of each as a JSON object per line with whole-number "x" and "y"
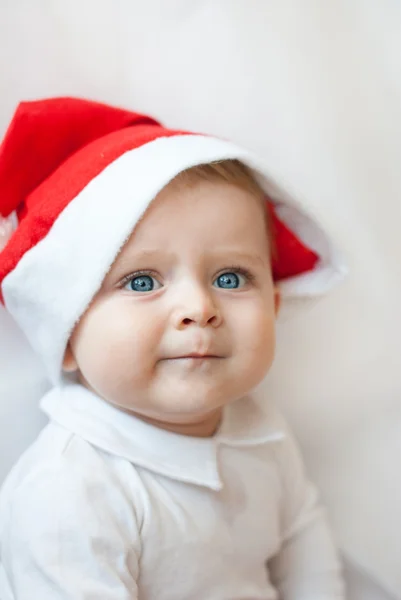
{"x": 205, "y": 221}
{"x": 204, "y": 207}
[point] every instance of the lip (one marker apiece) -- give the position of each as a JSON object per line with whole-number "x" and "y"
{"x": 196, "y": 355}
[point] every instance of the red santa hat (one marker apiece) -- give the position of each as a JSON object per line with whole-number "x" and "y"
{"x": 78, "y": 175}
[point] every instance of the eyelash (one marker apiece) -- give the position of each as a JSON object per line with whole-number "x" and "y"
{"x": 230, "y": 269}
{"x": 132, "y": 276}
{"x": 237, "y": 269}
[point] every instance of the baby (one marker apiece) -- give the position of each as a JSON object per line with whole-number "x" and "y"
{"x": 144, "y": 271}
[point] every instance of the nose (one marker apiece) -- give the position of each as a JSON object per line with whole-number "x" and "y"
{"x": 197, "y": 307}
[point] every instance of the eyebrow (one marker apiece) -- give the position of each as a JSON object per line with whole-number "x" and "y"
{"x": 124, "y": 263}
{"x": 227, "y": 253}
{"x": 146, "y": 257}
{"x": 145, "y": 254}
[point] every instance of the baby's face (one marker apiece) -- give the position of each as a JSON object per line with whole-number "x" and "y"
{"x": 184, "y": 321}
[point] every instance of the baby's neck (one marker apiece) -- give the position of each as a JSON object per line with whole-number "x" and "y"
{"x": 204, "y": 428}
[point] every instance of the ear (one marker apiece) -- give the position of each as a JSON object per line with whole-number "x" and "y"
{"x": 69, "y": 362}
{"x": 277, "y": 300}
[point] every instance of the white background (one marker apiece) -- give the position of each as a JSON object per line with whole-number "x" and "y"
{"x": 315, "y": 87}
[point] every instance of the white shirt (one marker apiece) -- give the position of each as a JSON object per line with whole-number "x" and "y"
{"x": 106, "y": 507}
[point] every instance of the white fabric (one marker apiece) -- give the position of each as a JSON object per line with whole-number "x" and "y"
{"x": 55, "y": 281}
{"x": 315, "y": 88}
{"x": 106, "y": 506}
{"x": 361, "y": 587}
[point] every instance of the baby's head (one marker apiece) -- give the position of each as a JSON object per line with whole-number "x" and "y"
{"x": 184, "y": 320}
{"x": 142, "y": 258}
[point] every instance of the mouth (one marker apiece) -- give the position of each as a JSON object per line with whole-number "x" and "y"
{"x": 195, "y": 362}
{"x": 196, "y": 356}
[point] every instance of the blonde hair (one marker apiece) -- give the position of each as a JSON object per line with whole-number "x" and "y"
{"x": 233, "y": 172}
{"x": 228, "y": 171}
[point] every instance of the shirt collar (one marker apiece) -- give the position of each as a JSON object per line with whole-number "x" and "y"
{"x": 183, "y": 458}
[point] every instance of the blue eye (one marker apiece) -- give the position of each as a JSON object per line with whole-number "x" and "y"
{"x": 142, "y": 283}
{"x": 229, "y": 281}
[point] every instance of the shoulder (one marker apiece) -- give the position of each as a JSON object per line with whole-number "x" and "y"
{"x": 68, "y": 520}
{"x": 63, "y": 479}
{"x": 284, "y": 446}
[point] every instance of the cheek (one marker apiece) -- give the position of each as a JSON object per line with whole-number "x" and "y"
{"x": 115, "y": 340}
{"x": 254, "y": 332}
